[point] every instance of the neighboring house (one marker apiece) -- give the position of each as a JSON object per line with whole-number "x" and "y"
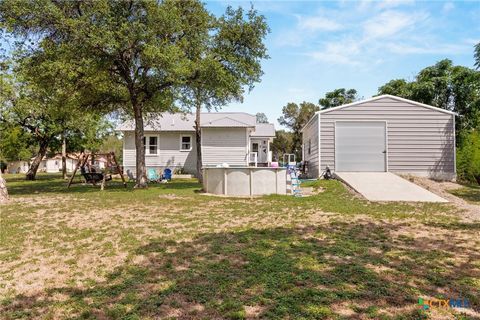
{"x": 227, "y": 137}
{"x": 384, "y": 133}
{"x": 18, "y": 166}
{"x": 54, "y": 164}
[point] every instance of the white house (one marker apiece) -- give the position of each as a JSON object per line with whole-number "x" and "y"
{"x": 384, "y": 133}
{"x": 54, "y": 164}
{"x": 227, "y": 137}
{"x": 18, "y": 166}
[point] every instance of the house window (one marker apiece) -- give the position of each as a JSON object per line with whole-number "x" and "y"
{"x": 186, "y": 143}
{"x": 309, "y": 146}
{"x": 150, "y": 145}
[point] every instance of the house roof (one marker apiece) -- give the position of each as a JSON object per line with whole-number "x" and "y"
{"x": 58, "y": 156}
{"x": 226, "y": 122}
{"x": 386, "y": 96}
{"x": 264, "y": 130}
{"x": 378, "y": 98}
{"x": 186, "y": 122}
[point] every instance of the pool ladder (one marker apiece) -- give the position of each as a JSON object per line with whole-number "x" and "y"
{"x": 295, "y": 183}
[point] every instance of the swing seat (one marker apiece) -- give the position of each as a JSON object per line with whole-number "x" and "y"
{"x": 88, "y": 170}
{"x": 95, "y": 177}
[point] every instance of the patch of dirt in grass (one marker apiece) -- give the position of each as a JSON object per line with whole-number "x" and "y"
{"x": 170, "y": 196}
{"x": 253, "y": 312}
{"x": 344, "y": 310}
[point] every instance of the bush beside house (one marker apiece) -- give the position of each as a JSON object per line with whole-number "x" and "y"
{"x": 468, "y": 157}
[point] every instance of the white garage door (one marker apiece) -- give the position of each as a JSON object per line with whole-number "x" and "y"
{"x": 360, "y": 146}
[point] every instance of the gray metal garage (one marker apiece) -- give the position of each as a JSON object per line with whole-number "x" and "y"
{"x": 385, "y": 133}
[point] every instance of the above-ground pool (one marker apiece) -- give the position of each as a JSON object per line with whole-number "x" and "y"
{"x": 245, "y": 181}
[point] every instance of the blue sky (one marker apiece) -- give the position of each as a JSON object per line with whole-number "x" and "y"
{"x": 318, "y": 46}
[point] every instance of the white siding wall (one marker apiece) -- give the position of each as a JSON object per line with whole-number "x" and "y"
{"x": 18, "y": 167}
{"x": 169, "y": 154}
{"x": 229, "y": 145}
{"x": 420, "y": 140}
{"x": 310, "y": 132}
{"x": 54, "y": 165}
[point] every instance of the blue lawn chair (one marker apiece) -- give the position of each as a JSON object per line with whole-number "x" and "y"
{"x": 167, "y": 174}
{"x": 152, "y": 175}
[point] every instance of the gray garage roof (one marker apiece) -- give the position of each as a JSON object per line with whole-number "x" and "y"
{"x": 186, "y": 122}
{"x": 386, "y": 96}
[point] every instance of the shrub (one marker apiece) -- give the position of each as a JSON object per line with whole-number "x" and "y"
{"x": 468, "y": 157}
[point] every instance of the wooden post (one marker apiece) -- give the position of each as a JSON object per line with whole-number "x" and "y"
{"x": 102, "y": 187}
{"x": 80, "y": 158}
{"x": 64, "y": 157}
{"x": 120, "y": 170}
{"x": 89, "y": 163}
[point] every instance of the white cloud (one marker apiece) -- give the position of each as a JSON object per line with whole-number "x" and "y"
{"x": 307, "y": 28}
{"x": 437, "y": 48}
{"x": 365, "y": 37}
{"x": 394, "y": 3}
{"x": 375, "y": 5}
{"x": 318, "y": 24}
{"x": 448, "y": 6}
{"x": 389, "y": 23}
{"x": 338, "y": 52}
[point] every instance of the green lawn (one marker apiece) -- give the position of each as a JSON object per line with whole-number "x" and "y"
{"x": 469, "y": 193}
{"x": 172, "y": 252}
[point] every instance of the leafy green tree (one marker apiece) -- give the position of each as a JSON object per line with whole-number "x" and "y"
{"x": 295, "y": 117}
{"x": 38, "y": 109}
{"x": 468, "y": 157}
{"x": 261, "y": 117}
{"x": 112, "y": 143}
{"x": 396, "y": 87}
{"x": 282, "y": 144}
{"x": 25, "y": 105}
{"x": 15, "y": 143}
{"x": 137, "y": 57}
{"x": 89, "y": 134}
{"x": 443, "y": 85}
{"x": 225, "y": 65}
{"x": 337, "y": 98}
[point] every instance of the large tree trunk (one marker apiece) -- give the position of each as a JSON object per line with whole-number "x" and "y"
{"x": 3, "y": 190}
{"x": 32, "y": 171}
{"x": 64, "y": 157}
{"x": 140, "y": 157}
{"x": 198, "y": 142}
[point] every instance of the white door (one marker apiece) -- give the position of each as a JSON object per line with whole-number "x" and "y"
{"x": 360, "y": 146}
{"x": 261, "y": 148}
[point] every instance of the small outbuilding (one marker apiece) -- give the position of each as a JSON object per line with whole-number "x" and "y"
{"x": 384, "y": 133}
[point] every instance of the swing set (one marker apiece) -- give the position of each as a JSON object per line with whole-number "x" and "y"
{"x": 89, "y": 172}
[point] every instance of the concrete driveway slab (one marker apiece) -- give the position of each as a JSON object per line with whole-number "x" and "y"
{"x": 386, "y": 186}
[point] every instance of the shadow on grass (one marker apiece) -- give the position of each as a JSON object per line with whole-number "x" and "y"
{"x": 53, "y": 183}
{"x": 333, "y": 271}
